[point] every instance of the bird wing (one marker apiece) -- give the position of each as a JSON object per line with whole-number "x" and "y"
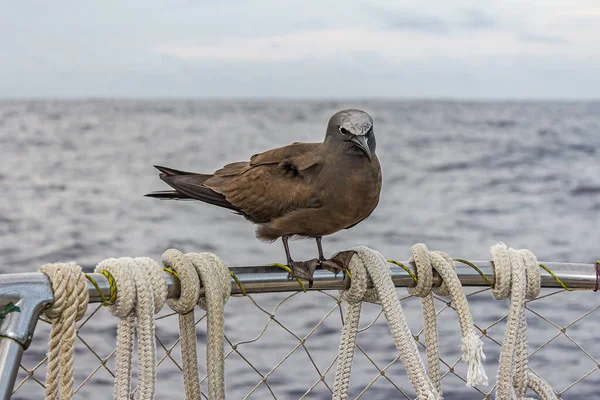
{"x": 301, "y": 155}
{"x": 272, "y": 183}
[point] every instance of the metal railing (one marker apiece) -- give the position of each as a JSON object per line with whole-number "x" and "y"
{"x": 259, "y": 366}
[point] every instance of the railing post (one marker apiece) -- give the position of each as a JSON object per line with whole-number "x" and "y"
{"x": 10, "y": 358}
{"x": 30, "y": 294}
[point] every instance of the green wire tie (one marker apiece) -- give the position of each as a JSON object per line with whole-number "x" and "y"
{"x": 289, "y": 270}
{"x": 235, "y": 278}
{"x": 556, "y": 278}
{"x": 404, "y": 267}
{"x": 470, "y": 264}
{"x": 171, "y": 271}
{"x": 112, "y": 284}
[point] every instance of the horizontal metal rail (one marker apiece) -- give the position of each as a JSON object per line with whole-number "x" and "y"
{"x": 265, "y": 279}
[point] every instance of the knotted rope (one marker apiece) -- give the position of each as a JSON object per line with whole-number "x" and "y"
{"x": 472, "y": 346}
{"x": 69, "y": 288}
{"x": 518, "y": 276}
{"x": 209, "y": 270}
{"x": 369, "y": 263}
{"x": 142, "y": 291}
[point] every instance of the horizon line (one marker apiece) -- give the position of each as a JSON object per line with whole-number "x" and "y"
{"x": 301, "y": 98}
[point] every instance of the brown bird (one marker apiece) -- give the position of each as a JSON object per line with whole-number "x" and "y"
{"x": 303, "y": 190}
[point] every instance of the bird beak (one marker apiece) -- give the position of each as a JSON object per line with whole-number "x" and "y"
{"x": 361, "y": 143}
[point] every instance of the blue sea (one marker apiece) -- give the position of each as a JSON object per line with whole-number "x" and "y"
{"x": 458, "y": 176}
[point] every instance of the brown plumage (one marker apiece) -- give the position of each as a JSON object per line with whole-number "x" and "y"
{"x": 304, "y": 189}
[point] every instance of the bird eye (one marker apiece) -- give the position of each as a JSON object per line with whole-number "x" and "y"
{"x": 343, "y": 131}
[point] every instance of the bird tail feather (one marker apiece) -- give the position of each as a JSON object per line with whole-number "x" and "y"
{"x": 168, "y": 195}
{"x": 190, "y": 185}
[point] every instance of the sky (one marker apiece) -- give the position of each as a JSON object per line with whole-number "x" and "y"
{"x": 456, "y": 49}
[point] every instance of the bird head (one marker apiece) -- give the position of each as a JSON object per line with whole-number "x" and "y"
{"x": 354, "y": 130}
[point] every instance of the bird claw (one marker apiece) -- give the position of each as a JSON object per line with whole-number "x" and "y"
{"x": 304, "y": 270}
{"x": 339, "y": 262}
{"x": 343, "y": 258}
{"x": 332, "y": 266}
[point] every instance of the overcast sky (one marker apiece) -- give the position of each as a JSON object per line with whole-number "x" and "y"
{"x": 538, "y": 49}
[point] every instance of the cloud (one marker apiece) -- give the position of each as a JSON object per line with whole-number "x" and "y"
{"x": 466, "y": 19}
{"x": 474, "y": 18}
{"x": 391, "y": 45}
{"x": 411, "y": 20}
{"x": 542, "y": 39}
{"x": 307, "y": 44}
{"x": 415, "y": 22}
{"x": 343, "y": 47}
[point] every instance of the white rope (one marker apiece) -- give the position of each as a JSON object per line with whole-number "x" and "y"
{"x": 209, "y": 270}
{"x": 516, "y": 275}
{"x": 184, "y": 305}
{"x": 472, "y": 346}
{"x": 141, "y": 292}
{"x": 70, "y": 292}
{"x": 423, "y": 289}
{"x": 369, "y": 263}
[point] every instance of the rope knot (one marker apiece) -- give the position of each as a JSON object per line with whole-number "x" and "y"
{"x": 517, "y": 275}
{"x": 214, "y": 276}
{"x": 188, "y": 281}
{"x": 472, "y": 347}
{"x": 358, "y": 284}
{"x": 511, "y": 265}
{"x": 141, "y": 293}
{"x": 67, "y": 281}
{"x": 426, "y": 262}
{"x": 126, "y": 292}
{"x": 196, "y": 270}
{"x": 71, "y": 298}
{"x": 424, "y": 271}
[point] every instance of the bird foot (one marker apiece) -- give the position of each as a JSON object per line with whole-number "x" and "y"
{"x": 304, "y": 270}
{"x": 339, "y": 263}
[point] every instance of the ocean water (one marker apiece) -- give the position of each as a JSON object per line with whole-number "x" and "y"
{"x": 458, "y": 176}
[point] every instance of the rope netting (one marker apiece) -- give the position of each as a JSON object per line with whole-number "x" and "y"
{"x": 286, "y": 345}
